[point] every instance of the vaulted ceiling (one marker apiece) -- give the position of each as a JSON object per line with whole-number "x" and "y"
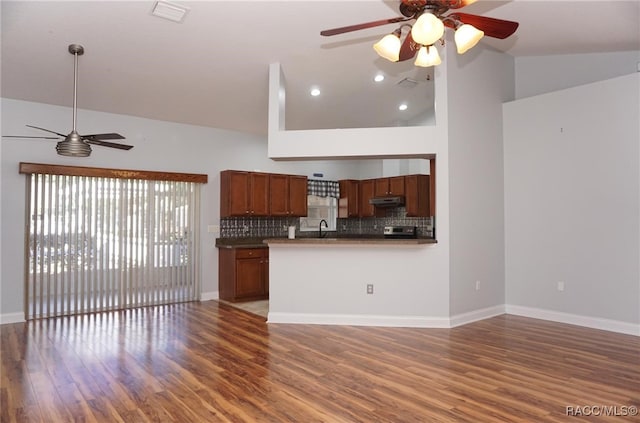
{"x": 212, "y": 69}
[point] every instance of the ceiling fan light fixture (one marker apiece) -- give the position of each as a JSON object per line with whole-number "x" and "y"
{"x": 389, "y": 46}
{"x": 427, "y": 56}
{"x": 466, "y": 37}
{"x": 427, "y": 30}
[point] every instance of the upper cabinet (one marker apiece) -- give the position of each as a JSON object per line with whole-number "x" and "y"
{"x": 418, "y": 191}
{"x": 349, "y": 198}
{"x": 244, "y": 193}
{"x": 389, "y": 186}
{"x": 288, "y": 195}
{"x": 252, "y": 194}
{"x": 417, "y": 195}
{"x": 367, "y": 191}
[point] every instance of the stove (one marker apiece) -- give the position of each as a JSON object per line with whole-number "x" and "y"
{"x": 400, "y": 232}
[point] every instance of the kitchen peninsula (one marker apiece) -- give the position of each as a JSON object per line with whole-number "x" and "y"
{"x": 350, "y": 282}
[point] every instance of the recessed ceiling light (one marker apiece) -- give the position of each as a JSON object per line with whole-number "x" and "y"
{"x": 173, "y": 12}
{"x": 403, "y": 107}
{"x": 315, "y": 92}
{"x": 379, "y": 77}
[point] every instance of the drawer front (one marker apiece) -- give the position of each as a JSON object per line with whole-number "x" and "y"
{"x": 250, "y": 252}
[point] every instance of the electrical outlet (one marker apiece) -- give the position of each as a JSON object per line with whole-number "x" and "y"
{"x": 477, "y": 285}
{"x": 370, "y": 288}
{"x": 560, "y": 286}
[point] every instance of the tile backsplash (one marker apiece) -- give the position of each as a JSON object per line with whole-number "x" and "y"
{"x": 276, "y": 227}
{"x": 256, "y": 227}
{"x": 396, "y": 216}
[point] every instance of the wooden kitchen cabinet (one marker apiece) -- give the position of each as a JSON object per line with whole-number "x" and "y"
{"x": 288, "y": 195}
{"x": 418, "y": 196}
{"x": 244, "y": 193}
{"x": 348, "y": 203}
{"x": 389, "y": 186}
{"x": 243, "y": 274}
{"x": 366, "y": 192}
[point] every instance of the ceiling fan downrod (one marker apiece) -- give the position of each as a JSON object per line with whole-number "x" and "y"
{"x": 73, "y": 145}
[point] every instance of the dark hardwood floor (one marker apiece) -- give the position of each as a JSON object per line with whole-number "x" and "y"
{"x": 210, "y": 362}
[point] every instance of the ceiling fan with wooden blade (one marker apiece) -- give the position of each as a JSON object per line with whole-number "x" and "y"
{"x": 414, "y": 9}
{"x": 75, "y": 144}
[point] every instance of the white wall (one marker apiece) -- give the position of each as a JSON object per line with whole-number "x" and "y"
{"x": 543, "y": 74}
{"x": 572, "y": 203}
{"x": 478, "y": 82}
{"x": 326, "y": 284}
{"x": 162, "y": 146}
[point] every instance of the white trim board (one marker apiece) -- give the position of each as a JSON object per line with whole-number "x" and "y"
{"x": 11, "y": 318}
{"x": 574, "y": 319}
{"x": 208, "y": 296}
{"x": 358, "y": 320}
{"x": 475, "y": 315}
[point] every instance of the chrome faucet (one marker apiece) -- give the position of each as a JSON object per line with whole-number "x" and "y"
{"x": 326, "y": 225}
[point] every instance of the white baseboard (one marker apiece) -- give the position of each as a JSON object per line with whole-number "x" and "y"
{"x": 475, "y": 315}
{"x": 208, "y": 296}
{"x": 12, "y": 318}
{"x": 358, "y": 320}
{"x": 575, "y": 319}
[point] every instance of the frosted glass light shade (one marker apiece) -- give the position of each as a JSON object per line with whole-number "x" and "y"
{"x": 427, "y": 30}
{"x": 466, "y": 37}
{"x": 427, "y": 56}
{"x": 388, "y": 47}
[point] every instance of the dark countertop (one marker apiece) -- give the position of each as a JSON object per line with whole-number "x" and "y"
{"x": 240, "y": 243}
{"x": 351, "y": 241}
{"x": 346, "y": 239}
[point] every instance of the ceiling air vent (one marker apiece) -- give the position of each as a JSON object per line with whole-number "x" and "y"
{"x": 407, "y": 83}
{"x": 173, "y": 12}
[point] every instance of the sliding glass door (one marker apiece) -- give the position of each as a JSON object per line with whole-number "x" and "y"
{"x": 100, "y": 243}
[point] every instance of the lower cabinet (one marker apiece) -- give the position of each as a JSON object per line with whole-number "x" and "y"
{"x": 243, "y": 274}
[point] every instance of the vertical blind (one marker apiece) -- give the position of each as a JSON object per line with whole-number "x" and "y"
{"x": 103, "y": 243}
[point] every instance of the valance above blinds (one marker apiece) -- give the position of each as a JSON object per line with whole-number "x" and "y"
{"x": 323, "y": 188}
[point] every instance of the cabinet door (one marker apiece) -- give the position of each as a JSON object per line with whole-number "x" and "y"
{"x": 249, "y": 278}
{"x": 279, "y": 196}
{"x": 396, "y": 185}
{"x": 288, "y": 195}
{"x": 235, "y": 190}
{"x": 389, "y": 186}
{"x": 259, "y": 193}
{"x": 297, "y": 195}
{"x": 348, "y": 203}
{"x": 417, "y": 195}
{"x": 381, "y": 186}
{"x": 250, "y": 273}
{"x": 366, "y": 193}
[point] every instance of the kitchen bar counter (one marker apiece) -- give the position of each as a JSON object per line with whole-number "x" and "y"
{"x": 349, "y": 241}
{"x": 309, "y": 241}
{"x": 240, "y": 243}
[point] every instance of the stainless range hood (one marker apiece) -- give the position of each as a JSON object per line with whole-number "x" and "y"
{"x": 387, "y": 201}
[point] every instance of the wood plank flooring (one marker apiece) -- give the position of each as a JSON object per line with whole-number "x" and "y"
{"x": 210, "y": 362}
